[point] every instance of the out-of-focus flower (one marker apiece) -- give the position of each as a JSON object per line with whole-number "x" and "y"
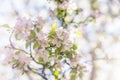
{"x": 23, "y": 24}
{"x": 42, "y": 39}
{"x": 64, "y": 5}
{"x": 40, "y": 22}
{"x": 23, "y": 27}
{"x": 9, "y": 55}
{"x": 75, "y": 60}
{"x": 22, "y": 58}
{"x": 43, "y": 54}
{"x": 62, "y": 34}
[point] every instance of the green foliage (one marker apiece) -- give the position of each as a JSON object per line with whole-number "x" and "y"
{"x": 73, "y": 74}
{"x": 40, "y": 60}
{"x": 36, "y": 45}
{"x": 27, "y": 44}
{"x": 56, "y": 73}
{"x": 54, "y": 26}
{"x": 58, "y": 50}
{"x": 61, "y": 13}
{"x": 75, "y": 46}
{"x": 37, "y": 29}
{"x": 17, "y": 52}
{"x": 60, "y": 57}
{"x": 51, "y": 34}
{"x": 33, "y": 34}
{"x": 16, "y": 37}
{"x": 5, "y": 26}
{"x": 60, "y": 1}
{"x": 68, "y": 54}
{"x": 79, "y": 34}
{"x": 81, "y": 74}
{"x": 94, "y": 22}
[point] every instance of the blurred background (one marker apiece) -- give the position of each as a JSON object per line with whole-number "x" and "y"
{"x": 101, "y": 37}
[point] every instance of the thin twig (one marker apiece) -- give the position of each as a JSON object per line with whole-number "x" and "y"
{"x": 11, "y": 43}
{"x": 37, "y": 73}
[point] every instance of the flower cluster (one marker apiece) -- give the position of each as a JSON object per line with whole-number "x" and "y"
{"x": 52, "y": 50}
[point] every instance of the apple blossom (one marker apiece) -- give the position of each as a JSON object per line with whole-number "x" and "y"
{"x": 64, "y": 5}
{"x": 75, "y": 60}
{"x": 52, "y": 50}
{"x": 40, "y": 22}
{"x": 22, "y": 58}
{"x": 42, "y": 39}
{"x": 9, "y": 55}
{"x": 23, "y": 24}
{"x": 56, "y": 49}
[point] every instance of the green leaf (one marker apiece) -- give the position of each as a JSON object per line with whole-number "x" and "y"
{"x": 5, "y": 26}
{"x": 27, "y": 44}
{"x": 73, "y": 74}
{"x": 73, "y": 51}
{"x": 51, "y": 34}
{"x": 17, "y": 37}
{"x": 94, "y": 22}
{"x": 33, "y": 34}
{"x": 50, "y": 56}
{"x": 95, "y": 5}
{"x": 60, "y": 1}
{"x": 36, "y": 45}
{"x": 56, "y": 73}
{"x": 58, "y": 50}
{"x": 61, "y": 13}
{"x": 80, "y": 74}
{"x": 54, "y": 26}
{"x": 40, "y": 60}
{"x": 79, "y": 34}
{"x": 69, "y": 55}
{"x": 60, "y": 57}
{"x": 17, "y": 52}
{"x": 38, "y": 30}
{"x": 75, "y": 46}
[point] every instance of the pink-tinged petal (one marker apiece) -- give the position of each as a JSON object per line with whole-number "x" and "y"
{"x": 40, "y": 22}
{"x": 42, "y": 39}
{"x": 22, "y": 58}
{"x": 22, "y": 24}
{"x": 9, "y": 55}
{"x": 75, "y": 60}
{"x": 64, "y": 5}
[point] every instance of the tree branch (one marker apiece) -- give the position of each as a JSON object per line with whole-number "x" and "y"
{"x": 37, "y": 73}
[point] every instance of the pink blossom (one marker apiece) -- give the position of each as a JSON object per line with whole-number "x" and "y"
{"x": 42, "y": 36}
{"x": 75, "y": 60}
{"x": 9, "y": 55}
{"x": 66, "y": 45}
{"x": 28, "y": 24}
{"x": 62, "y": 34}
{"x": 56, "y": 41}
{"x": 22, "y": 58}
{"x": 42, "y": 39}
{"x": 18, "y": 25}
{"x": 62, "y": 38}
{"x": 59, "y": 64}
{"x": 64, "y": 5}
{"x": 22, "y": 24}
{"x": 43, "y": 53}
{"x": 40, "y": 22}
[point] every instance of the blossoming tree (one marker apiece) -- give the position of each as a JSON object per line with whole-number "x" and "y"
{"x": 52, "y": 50}
{"x": 55, "y": 51}
{"x": 53, "y": 54}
